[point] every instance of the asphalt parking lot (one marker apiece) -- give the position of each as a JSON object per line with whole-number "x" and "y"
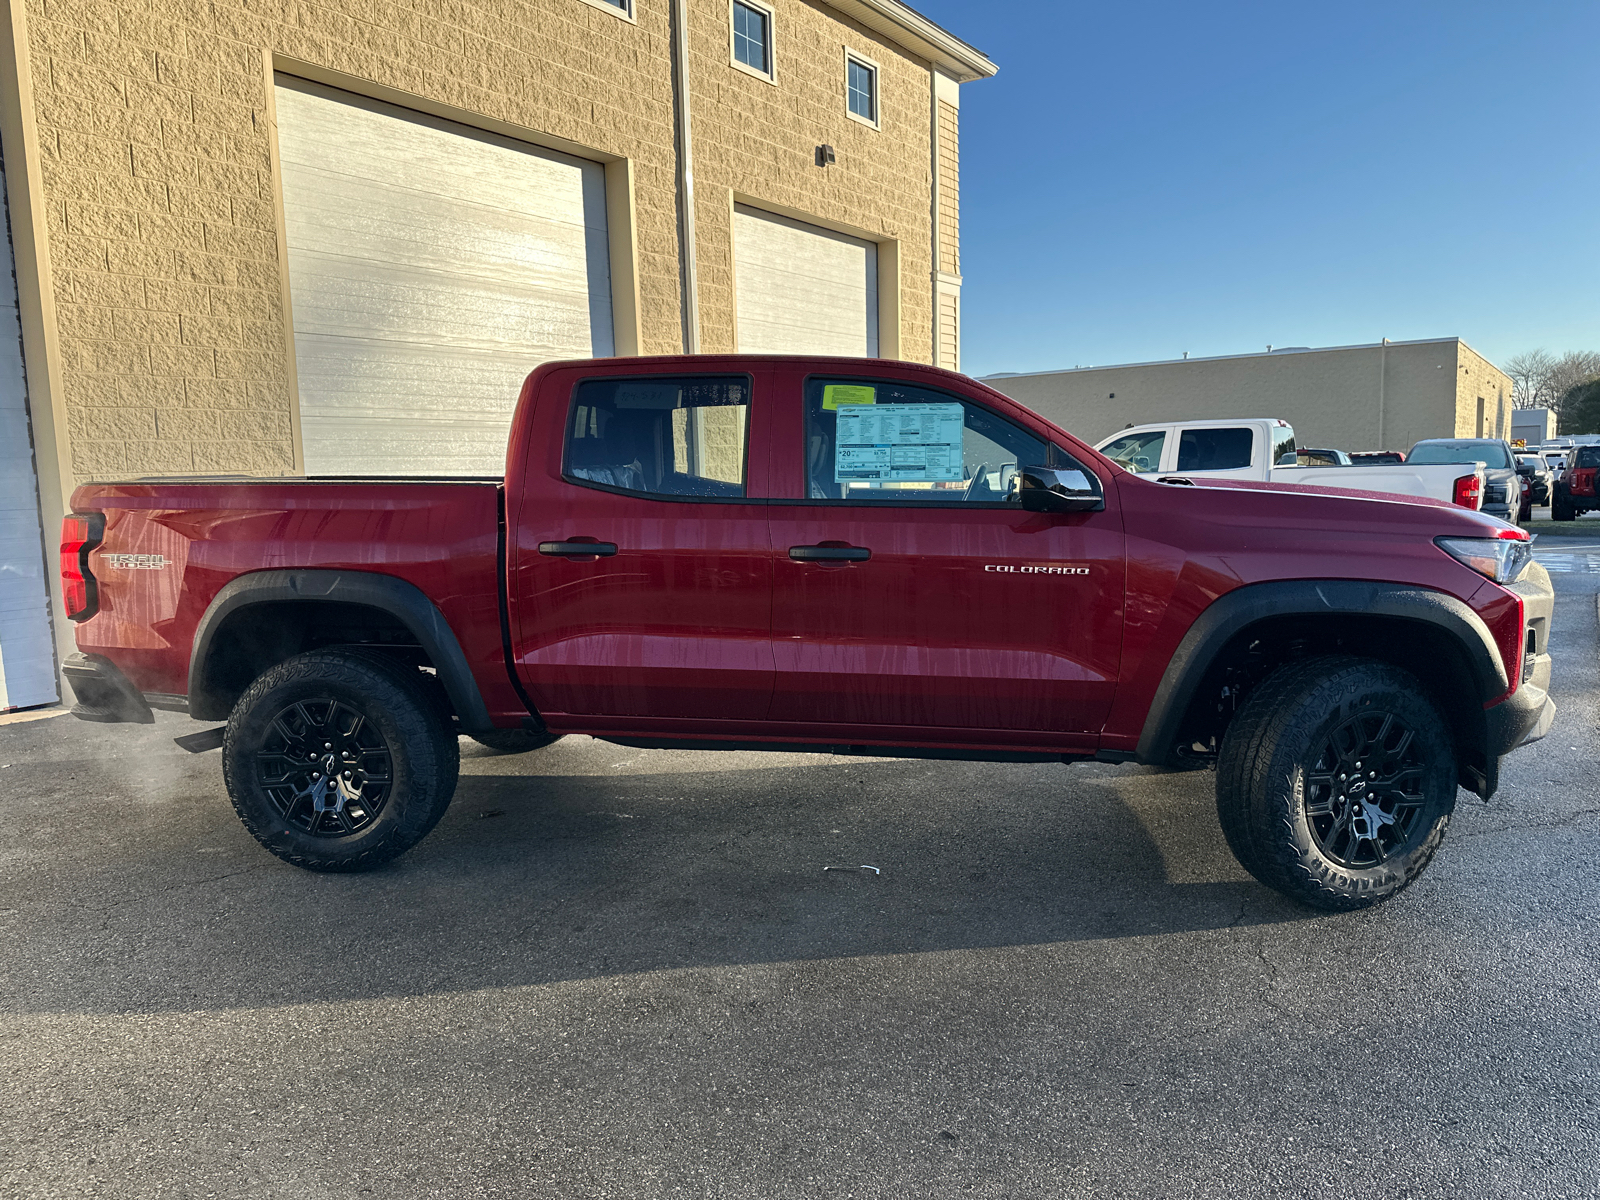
{"x": 626, "y": 974}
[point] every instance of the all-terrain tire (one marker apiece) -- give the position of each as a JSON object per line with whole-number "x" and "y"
{"x": 513, "y": 741}
{"x": 1561, "y": 509}
{"x": 1336, "y": 780}
{"x": 329, "y": 716}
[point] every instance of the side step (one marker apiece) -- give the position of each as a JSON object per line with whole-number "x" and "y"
{"x": 1003, "y": 756}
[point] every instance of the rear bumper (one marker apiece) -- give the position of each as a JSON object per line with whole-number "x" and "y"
{"x": 103, "y": 692}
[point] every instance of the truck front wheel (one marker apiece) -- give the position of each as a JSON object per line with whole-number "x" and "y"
{"x": 339, "y": 762}
{"x": 1336, "y": 780}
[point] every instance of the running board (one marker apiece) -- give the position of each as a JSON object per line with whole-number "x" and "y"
{"x": 1001, "y": 756}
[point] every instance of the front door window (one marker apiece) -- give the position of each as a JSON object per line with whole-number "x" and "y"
{"x": 878, "y": 442}
{"x": 1137, "y": 452}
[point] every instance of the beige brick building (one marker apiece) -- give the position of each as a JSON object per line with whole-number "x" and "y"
{"x": 1384, "y": 396}
{"x": 267, "y": 237}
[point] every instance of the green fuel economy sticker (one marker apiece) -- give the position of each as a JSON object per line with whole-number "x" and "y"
{"x": 835, "y": 394}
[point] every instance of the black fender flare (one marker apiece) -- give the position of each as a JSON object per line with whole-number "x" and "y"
{"x": 1235, "y": 611}
{"x": 404, "y": 601}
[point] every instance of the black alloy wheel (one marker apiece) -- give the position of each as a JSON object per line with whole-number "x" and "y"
{"x": 1336, "y": 780}
{"x": 325, "y": 767}
{"x": 1366, "y": 790}
{"x": 340, "y": 760}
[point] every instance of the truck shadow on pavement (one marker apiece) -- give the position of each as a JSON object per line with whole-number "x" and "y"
{"x": 711, "y": 861}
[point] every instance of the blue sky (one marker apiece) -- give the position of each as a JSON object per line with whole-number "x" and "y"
{"x": 1144, "y": 179}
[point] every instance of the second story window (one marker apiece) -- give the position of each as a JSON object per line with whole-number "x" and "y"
{"x": 752, "y": 37}
{"x": 861, "y": 89}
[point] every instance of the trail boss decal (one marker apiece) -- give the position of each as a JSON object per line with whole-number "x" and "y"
{"x": 135, "y": 562}
{"x": 1037, "y": 568}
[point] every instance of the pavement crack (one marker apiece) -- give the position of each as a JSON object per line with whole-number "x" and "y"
{"x": 1275, "y": 978}
{"x": 161, "y": 891}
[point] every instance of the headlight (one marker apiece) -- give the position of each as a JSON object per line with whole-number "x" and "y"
{"x": 1504, "y": 560}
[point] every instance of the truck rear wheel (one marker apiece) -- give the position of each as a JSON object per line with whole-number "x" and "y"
{"x": 1336, "y": 780}
{"x": 1561, "y": 509}
{"x": 513, "y": 741}
{"x": 339, "y": 762}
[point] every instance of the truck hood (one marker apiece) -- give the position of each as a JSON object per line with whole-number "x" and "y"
{"x": 1313, "y": 505}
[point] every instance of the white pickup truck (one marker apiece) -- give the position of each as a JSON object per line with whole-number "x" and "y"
{"x": 1263, "y": 448}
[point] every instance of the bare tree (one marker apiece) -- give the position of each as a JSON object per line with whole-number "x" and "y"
{"x": 1570, "y": 372}
{"x": 1541, "y": 380}
{"x": 1529, "y": 371}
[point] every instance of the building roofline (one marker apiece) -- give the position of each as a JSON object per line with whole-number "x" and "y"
{"x": 906, "y": 27}
{"x": 1286, "y": 351}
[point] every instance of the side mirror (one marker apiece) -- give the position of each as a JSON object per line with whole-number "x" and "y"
{"x": 1058, "y": 490}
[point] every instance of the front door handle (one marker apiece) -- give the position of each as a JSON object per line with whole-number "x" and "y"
{"x": 579, "y": 549}
{"x": 829, "y": 553}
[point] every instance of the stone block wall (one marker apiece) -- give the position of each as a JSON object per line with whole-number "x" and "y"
{"x": 155, "y": 132}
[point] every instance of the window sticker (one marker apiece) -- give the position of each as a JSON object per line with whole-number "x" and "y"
{"x": 910, "y": 443}
{"x": 835, "y": 394}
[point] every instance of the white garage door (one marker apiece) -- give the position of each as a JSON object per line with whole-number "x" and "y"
{"x": 27, "y": 657}
{"x": 431, "y": 268}
{"x": 803, "y": 290}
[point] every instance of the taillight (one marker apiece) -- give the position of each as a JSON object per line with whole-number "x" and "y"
{"x": 80, "y": 533}
{"x": 1469, "y": 492}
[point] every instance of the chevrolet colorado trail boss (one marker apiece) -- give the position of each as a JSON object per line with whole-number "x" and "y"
{"x": 868, "y": 557}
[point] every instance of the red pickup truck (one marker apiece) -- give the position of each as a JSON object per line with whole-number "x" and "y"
{"x": 862, "y": 556}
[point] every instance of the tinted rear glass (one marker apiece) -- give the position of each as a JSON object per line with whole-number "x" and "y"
{"x": 1490, "y": 454}
{"x": 1588, "y": 456}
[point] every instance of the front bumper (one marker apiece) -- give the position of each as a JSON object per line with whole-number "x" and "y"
{"x": 1524, "y": 716}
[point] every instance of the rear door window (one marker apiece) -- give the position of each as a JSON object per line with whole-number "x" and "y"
{"x": 1215, "y": 449}
{"x": 659, "y": 436}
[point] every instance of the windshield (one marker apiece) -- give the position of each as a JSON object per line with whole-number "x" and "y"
{"x": 1490, "y": 454}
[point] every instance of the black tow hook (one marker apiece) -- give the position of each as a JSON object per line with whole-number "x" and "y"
{"x": 199, "y": 743}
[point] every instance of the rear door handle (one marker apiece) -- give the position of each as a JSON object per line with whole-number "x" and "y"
{"x": 579, "y": 549}
{"x": 829, "y": 553}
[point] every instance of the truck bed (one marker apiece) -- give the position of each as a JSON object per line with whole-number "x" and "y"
{"x": 170, "y": 545}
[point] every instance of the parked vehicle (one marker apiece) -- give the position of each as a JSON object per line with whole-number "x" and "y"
{"x": 1502, "y": 494}
{"x": 1307, "y": 457}
{"x": 856, "y": 556}
{"x": 1541, "y": 480}
{"x": 1575, "y": 492}
{"x": 1376, "y": 458}
{"x": 1264, "y": 449}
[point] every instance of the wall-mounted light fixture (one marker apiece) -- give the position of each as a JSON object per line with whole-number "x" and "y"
{"x": 825, "y": 156}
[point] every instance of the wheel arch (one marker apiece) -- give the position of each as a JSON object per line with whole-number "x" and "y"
{"x": 260, "y": 619}
{"x": 1435, "y": 636}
